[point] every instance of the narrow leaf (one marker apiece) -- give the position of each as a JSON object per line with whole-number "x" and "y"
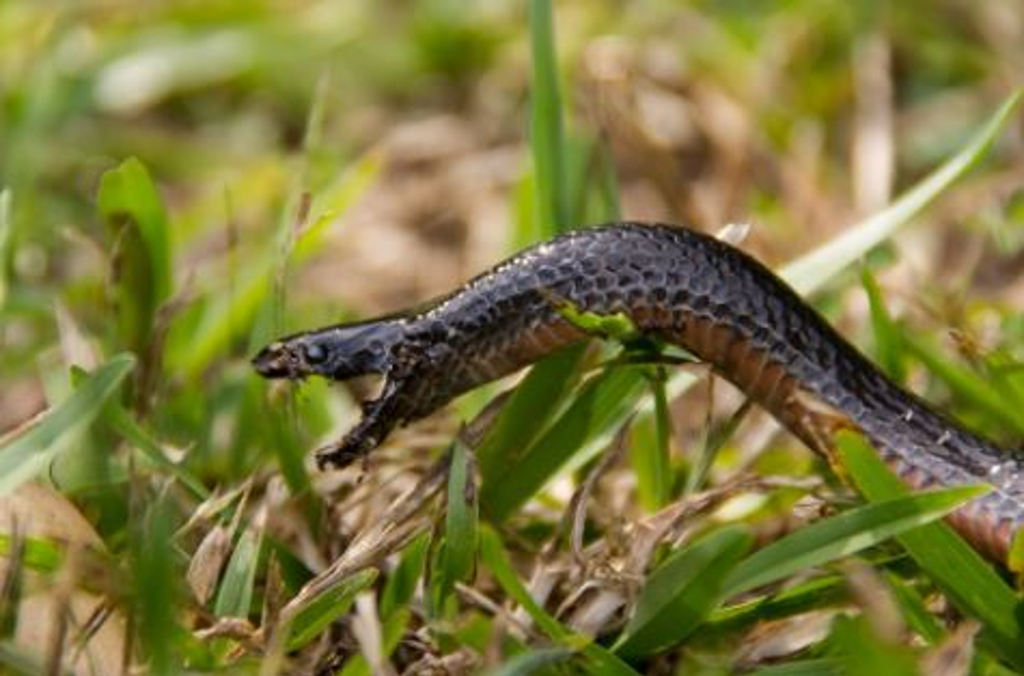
{"x": 845, "y": 534}
{"x": 327, "y": 607}
{"x": 680, "y": 593}
{"x": 22, "y": 457}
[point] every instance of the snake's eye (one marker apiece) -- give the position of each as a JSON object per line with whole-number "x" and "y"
{"x": 315, "y": 354}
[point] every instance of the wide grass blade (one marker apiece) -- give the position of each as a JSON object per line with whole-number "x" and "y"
{"x": 315, "y": 617}
{"x": 597, "y": 410}
{"x": 971, "y": 583}
{"x": 845, "y": 534}
{"x": 679, "y": 594}
{"x": 234, "y": 598}
{"x": 22, "y": 457}
{"x": 137, "y": 220}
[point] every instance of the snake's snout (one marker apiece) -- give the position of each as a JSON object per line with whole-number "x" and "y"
{"x": 274, "y": 361}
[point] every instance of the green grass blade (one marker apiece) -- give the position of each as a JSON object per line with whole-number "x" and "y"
{"x": 820, "y": 592}
{"x": 535, "y": 399}
{"x": 533, "y": 662}
{"x": 970, "y": 582}
{"x": 845, "y": 534}
{"x": 547, "y": 138}
{"x": 24, "y": 456}
{"x": 493, "y": 555}
{"x": 888, "y": 339}
{"x": 679, "y": 594}
{"x": 135, "y": 215}
{"x": 317, "y": 616}
{"x": 808, "y": 273}
{"x": 599, "y": 408}
{"x": 402, "y": 583}
{"x": 234, "y": 597}
{"x": 126, "y": 426}
{"x": 156, "y": 587}
{"x": 460, "y": 533}
{"x": 823, "y": 666}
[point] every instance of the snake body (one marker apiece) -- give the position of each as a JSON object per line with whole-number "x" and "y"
{"x": 682, "y": 287}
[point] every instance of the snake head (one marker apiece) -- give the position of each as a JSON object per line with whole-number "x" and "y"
{"x": 337, "y": 352}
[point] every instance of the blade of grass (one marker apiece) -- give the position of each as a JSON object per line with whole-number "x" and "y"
{"x": 547, "y": 140}
{"x": 845, "y": 534}
{"x": 680, "y": 593}
{"x": 134, "y": 212}
{"x": 126, "y": 426}
{"x": 534, "y": 399}
{"x": 598, "y": 410}
{"x": 889, "y": 348}
{"x": 461, "y": 517}
{"x": 971, "y": 583}
{"x": 234, "y": 597}
{"x": 317, "y": 616}
{"x": 25, "y": 455}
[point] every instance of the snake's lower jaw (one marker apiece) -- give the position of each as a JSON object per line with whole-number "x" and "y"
{"x": 340, "y": 455}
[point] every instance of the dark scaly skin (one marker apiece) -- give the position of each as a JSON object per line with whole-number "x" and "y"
{"x": 682, "y": 287}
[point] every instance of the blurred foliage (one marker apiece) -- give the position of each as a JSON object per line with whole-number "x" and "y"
{"x": 185, "y": 181}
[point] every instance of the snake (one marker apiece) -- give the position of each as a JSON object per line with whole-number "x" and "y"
{"x": 679, "y": 286}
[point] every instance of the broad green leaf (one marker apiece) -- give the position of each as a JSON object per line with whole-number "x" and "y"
{"x": 135, "y": 215}
{"x": 864, "y": 653}
{"x": 22, "y": 457}
{"x": 234, "y": 597}
{"x": 535, "y": 400}
{"x": 598, "y": 409}
{"x": 318, "y": 615}
{"x": 681, "y": 592}
{"x": 969, "y": 581}
{"x": 845, "y": 534}
{"x": 820, "y": 592}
